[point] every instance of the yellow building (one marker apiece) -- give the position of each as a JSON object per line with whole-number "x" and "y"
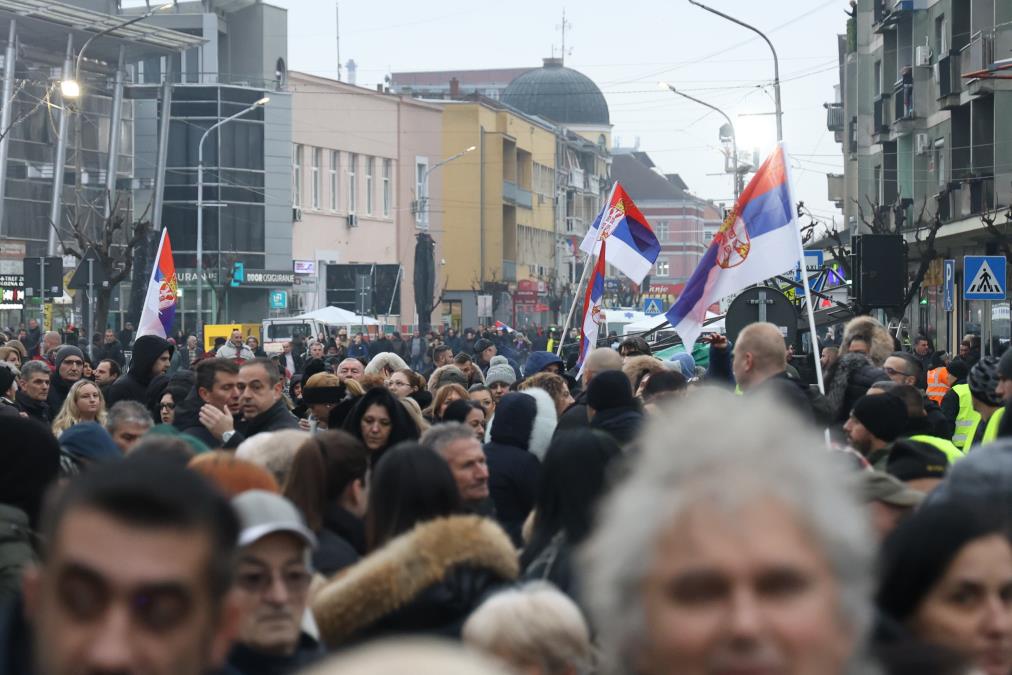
{"x": 497, "y": 206}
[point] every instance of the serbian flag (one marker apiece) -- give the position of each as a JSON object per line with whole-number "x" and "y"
{"x": 593, "y": 315}
{"x": 758, "y": 240}
{"x": 160, "y": 300}
{"x": 632, "y": 244}
{"x": 499, "y": 325}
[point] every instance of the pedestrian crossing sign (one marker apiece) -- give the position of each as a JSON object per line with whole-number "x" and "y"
{"x": 984, "y": 277}
{"x": 653, "y": 306}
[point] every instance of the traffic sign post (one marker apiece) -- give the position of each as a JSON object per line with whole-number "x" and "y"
{"x": 984, "y": 279}
{"x": 949, "y": 285}
{"x": 653, "y": 306}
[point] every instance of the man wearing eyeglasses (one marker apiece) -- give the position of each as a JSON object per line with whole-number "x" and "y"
{"x": 903, "y": 368}
{"x": 69, "y": 364}
{"x": 272, "y": 586}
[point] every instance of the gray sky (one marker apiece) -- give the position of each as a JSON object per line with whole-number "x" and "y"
{"x": 626, "y": 48}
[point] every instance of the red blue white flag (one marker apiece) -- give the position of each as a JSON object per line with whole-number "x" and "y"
{"x": 758, "y": 240}
{"x": 499, "y": 325}
{"x": 593, "y": 314}
{"x": 632, "y": 245}
{"x": 163, "y": 293}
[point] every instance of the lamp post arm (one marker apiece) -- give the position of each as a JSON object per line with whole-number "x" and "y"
{"x": 84, "y": 47}
{"x": 776, "y": 60}
{"x": 734, "y": 136}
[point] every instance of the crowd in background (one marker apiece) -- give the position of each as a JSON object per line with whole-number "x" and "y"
{"x": 168, "y": 509}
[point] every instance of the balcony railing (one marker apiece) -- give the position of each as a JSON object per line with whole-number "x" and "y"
{"x": 523, "y": 198}
{"x": 947, "y": 75}
{"x": 509, "y": 270}
{"x": 979, "y": 54}
{"x": 834, "y": 117}
{"x": 880, "y": 116}
{"x": 836, "y": 187}
{"x": 509, "y": 192}
{"x": 903, "y": 100}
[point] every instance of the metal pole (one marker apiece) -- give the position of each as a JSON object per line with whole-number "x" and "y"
{"x": 572, "y": 308}
{"x": 734, "y": 136}
{"x": 5, "y": 113}
{"x": 91, "y": 307}
{"x": 163, "y": 151}
{"x": 776, "y": 62}
{"x": 481, "y": 207}
{"x": 52, "y": 241}
{"x": 200, "y": 210}
{"x": 42, "y": 306}
{"x": 112, "y": 165}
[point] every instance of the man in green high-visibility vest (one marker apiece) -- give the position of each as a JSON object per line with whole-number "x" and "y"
{"x": 981, "y": 408}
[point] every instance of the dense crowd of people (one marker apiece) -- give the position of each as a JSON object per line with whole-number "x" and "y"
{"x": 479, "y": 504}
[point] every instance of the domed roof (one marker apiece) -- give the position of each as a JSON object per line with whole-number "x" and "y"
{"x": 559, "y": 94}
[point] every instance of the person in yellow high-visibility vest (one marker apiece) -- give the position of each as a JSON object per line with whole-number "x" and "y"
{"x": 981, "y": 408}
{"x": 919, "y": 465}
{"x": 918, "y": 427}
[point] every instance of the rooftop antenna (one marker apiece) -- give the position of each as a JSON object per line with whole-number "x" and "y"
{"x": 337, "y": 19}
{"x": 563, "y": 27}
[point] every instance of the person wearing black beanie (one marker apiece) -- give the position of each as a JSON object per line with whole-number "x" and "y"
{"x": 944, "y": 577}
{"x": 876, "y": 421}
{"x": 612, "y": 407}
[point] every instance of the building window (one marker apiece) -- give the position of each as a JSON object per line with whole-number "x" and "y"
{"x": 297, "y": 175}
{"x": 335, "y": 162}
{"x": 661, "y": 267}
{"x": 661, "y": 230}
{"x": 352, "y": 186}
{"x": 421, "y": 192}
{"x": 386, "y": 186}
{"x": 317, "y": 186}
{"x": 940, "y": 162}
{"x": 369, "y": 162}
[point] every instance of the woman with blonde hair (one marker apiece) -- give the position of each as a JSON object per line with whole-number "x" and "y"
{"x": 84, "y": 403}
{"x": 445, "y": 395}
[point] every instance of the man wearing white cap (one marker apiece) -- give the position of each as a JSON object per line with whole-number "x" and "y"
{"x": 271, "y": 584}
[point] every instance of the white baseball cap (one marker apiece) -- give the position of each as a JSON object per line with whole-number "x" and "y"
{"x": 262, "y": 513}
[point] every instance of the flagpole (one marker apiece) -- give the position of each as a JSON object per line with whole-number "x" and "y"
{"x": 572, "y": 308}
{"x": 804, "y": 274}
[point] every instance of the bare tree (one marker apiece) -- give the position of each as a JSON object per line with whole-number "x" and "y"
{"x": 999, "y": 231}
{"x": 924, "y": 229}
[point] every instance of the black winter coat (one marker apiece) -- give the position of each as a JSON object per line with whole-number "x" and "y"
{"x": 37, "y": 410}
{"x": 133, "y": 384}
{"x": 341, "y": 542}
{"x": 275, "y": 418}
{"x": 622, "y": 424}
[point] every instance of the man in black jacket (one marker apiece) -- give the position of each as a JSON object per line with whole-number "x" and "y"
{"x": 33, "y": 393}
{"x": 69, "y": 364}
{"x": 760, "y": 364}
{"x": 110, "y": 349}
{"x": 218, "y": 386}
{"x": 612, "y": 408}
{"x": 152, "y": 357}
{"x": 598, "y": 361}
{"x": 261, "y": 405}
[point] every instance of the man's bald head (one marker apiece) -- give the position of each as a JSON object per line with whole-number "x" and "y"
{"x": 759, "y": 354}
{"x": 600, "y": 360}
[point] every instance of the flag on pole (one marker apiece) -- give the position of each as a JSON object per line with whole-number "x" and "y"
{"x": 633, "y": 246}
{"x": 160, "y": 300}
{"x": 593, "y": 315}
{"x": 758, "y": 240}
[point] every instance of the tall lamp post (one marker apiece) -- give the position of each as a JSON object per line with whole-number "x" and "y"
{"x": 423, "y": 201}
{"x": 734, "y": 139}
{"x": 776, "y": 61}
{"x": 199, "y": 325}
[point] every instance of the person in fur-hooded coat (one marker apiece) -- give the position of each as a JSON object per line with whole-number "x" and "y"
{"x": 859, "y": 366}
{"x": 516, "y": 441}
{"x": 385, "y": 363}
{"x": 425, "y": 581}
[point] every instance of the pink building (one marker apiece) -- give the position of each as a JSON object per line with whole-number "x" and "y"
{"x": 359, "y": 174}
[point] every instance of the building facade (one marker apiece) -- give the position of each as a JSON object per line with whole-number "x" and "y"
{"x": 361, "y": 176}
{"x": 924, "y": 125}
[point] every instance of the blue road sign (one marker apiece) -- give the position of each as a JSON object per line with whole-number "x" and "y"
{"x": 653, "y": 306}
{"x": 814, "y": 261}
{"x": 279, "y": 299}
{"x": 984, "y": 277}
{"x": 949, "y": 285}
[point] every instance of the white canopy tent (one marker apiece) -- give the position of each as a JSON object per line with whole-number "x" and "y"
{"x": 335, "y": 316}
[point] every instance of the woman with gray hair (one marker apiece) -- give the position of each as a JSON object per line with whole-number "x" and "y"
{"x": 535, "y": 629}
{"x": 735, "y": 548}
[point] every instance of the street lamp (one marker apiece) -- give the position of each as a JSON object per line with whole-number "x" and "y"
{"x": 72, "y": 88}
{"x": 734, "y": 141}
{"x": 776, "y": 62}
{"x": 423, "y": 200}
{"x": 200, "y": 209}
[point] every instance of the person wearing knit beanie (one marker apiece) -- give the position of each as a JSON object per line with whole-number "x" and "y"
{"x": 612, "y": 407}
{"x": 65, "y": 376}
{"x": 500, "y": 377}
{"x": 984, "y": 381}
{"x": 1004, "y": 388}
{"x": 876, "y": 421}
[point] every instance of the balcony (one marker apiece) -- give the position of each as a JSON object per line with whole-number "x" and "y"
{"x": 523, "y": 198}
{"x": 947, "y": 76}
{"x": 903, "y": 104}
{"x": 834, "y": 117}
{"x": 976, "y": 57}
{"x": 509, "y": 192}
{"x": 836, "y": 188}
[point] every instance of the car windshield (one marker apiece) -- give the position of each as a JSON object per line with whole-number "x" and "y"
{"x": 287, "y": 331}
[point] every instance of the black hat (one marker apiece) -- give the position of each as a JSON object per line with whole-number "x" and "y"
{"x": 609, "y": 390}
{"x": 958, "y": 368}
{"x": 883, "y": 415}
{"x": 6, "y": 377}
{"x": 1005, "y": 365}
{"x": 481, "y": 345}
{"x": 911, "y": 460}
